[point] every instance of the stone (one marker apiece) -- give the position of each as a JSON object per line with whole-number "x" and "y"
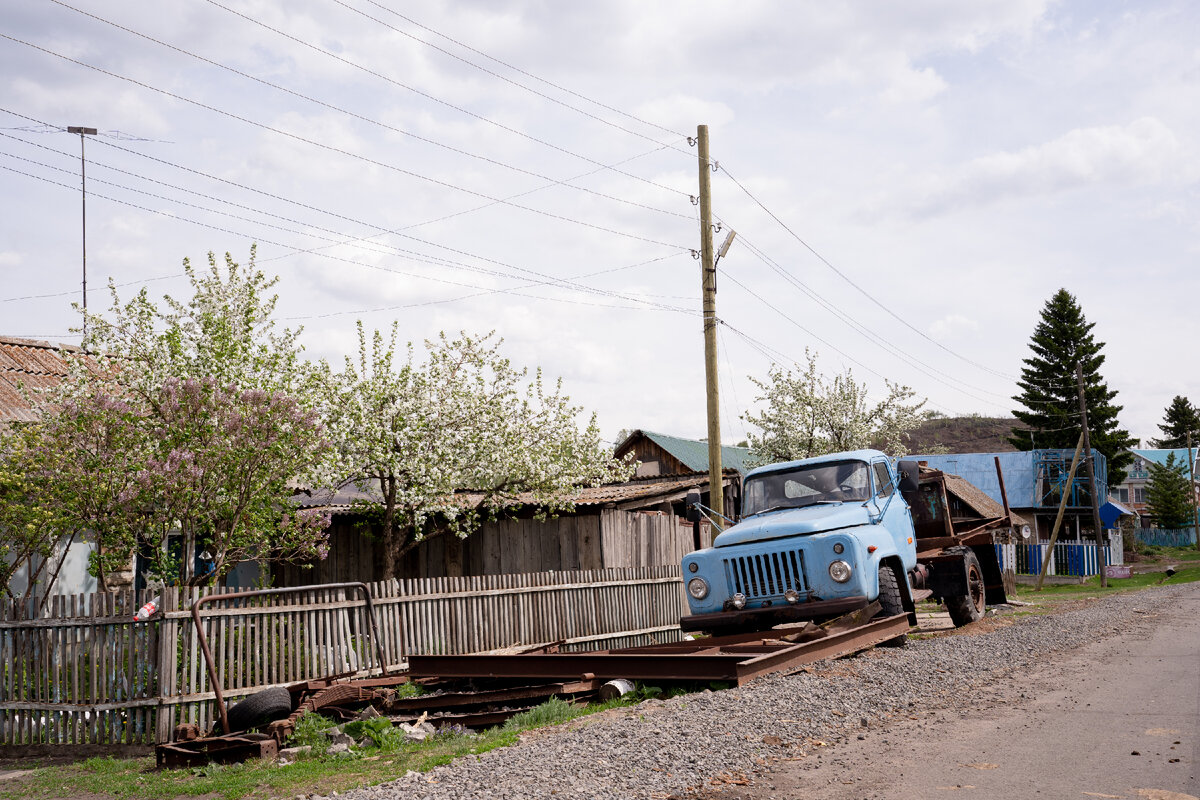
{"x": 293, "y": 752}
{"x": 338, "y": 749}
{"x": 339, "y": 737}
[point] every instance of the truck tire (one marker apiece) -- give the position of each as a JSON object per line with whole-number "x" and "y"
{"x": 259, "y": 709}
{"x": 969, "y": 607}
{"x": 891, "y": 601}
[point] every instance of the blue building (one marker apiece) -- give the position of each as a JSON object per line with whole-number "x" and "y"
{"x": 1035, "y": 482}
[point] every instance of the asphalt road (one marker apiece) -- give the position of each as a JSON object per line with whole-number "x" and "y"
{"x": 1116, "y": 719}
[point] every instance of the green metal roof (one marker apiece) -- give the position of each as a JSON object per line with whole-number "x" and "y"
{"x": 694, "y": 452}
{"x": 1160, "y": 456}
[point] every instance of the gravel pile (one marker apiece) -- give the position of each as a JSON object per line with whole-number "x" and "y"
{"x": 663, "y": 747}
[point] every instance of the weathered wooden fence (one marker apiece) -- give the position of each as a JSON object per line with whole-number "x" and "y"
{"x": 86, "y": 674}
{"x": 1164, "y": 537}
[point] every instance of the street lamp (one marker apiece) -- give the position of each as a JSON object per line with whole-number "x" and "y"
{"x": 83, "y": 185}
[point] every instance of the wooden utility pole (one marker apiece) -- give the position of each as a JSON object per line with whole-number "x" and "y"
{"x": 708, "y": 287}
{"x": 1062, "y": 508}
{"x": 1192, "y": 489}
{"x": 1101, "y": 561}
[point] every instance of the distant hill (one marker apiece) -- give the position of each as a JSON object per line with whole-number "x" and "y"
{"x": 961, "y": 435}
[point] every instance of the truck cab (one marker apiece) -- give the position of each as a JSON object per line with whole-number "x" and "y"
{"x": 818, "y": 538}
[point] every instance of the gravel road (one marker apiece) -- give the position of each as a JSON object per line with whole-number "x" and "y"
{"x": 664, "y": 748}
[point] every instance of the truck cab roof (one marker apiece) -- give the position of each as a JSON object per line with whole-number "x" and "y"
{"x": 853, "y": 455}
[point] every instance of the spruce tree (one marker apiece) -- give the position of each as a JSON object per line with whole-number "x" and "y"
{"x": 1050, "y": 418}
{"x": 1168, "y": 494}
{"x": 1180, "y": 417}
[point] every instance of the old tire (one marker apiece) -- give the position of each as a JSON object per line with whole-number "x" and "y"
{"x": 969, "y": 607}
{"x": 260, "y": 708}
{"x": 891, "y": 601}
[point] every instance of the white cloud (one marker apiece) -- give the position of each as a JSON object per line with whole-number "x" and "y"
{"x": 1145, "y": 151}
{"x": 952, "y": 325}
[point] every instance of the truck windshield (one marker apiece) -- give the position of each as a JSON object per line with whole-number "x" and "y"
{"x": 837, "y": 482}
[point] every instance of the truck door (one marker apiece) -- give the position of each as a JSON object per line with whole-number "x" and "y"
{"x": 896, "y": 516}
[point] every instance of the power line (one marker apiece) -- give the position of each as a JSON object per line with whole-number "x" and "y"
{"x": 651, "y": 305}
{"x": 487, "y": 292}
{"x": 776, "y": 357}
{"x": 339, "y": 150}
{"x": 504, "y": 78}
{"x": 860, "y": 289}
{"x": 435, "y": 99}
{"x": 370, "y": 120}
{"x": 412, "y": 21}
{"x": 868, "y": 334}
{"x": 419, "y": 257}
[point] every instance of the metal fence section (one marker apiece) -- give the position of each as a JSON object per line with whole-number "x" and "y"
{"x": 1068, "y": 558}
{"x": 1165, "y": 537}
{"x": 84, "y": 673}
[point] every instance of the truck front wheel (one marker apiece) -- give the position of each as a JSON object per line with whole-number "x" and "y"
{"x": 969, "y": 607}
{"x": 891, "y": 601}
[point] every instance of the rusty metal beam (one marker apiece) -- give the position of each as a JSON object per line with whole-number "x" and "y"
{"x": 832, "y": 646}
{"x": 461, "y": 699}
{"x": 764, "y": 618}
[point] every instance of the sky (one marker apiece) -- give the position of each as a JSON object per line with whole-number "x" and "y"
{"x": 909, "y": 183}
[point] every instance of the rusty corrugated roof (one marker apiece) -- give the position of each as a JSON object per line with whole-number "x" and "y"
{"x": 976, "y": 499}
{"x": 28, "y": 362}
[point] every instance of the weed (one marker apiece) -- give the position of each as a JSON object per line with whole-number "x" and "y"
{"x": 379, "y": 729}
{"x": 310, "y": 732}
{"x": 552, "y": 712}
{"x": 410, "y": 689}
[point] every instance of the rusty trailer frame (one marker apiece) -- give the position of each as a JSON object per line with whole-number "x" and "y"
{"x": 739, "y": 658}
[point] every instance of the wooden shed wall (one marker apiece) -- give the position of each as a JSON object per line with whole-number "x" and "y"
{"x": 654, "y": 460}
{"x": 612, "y": 538}
{"x": 638, "y": 539}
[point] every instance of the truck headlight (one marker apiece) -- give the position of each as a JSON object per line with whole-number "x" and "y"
{"x": 738, "y": 601}
{"x": 698, "y": 588}
{"x": 840, "y": 571}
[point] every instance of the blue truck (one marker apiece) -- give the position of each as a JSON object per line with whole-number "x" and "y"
{"x": 825, "y": 536}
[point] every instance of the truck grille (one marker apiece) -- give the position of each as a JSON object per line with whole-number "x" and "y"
{"x": 767, "y": 574}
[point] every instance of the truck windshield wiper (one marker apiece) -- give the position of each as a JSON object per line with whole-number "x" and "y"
{"x": 769, "y": 509}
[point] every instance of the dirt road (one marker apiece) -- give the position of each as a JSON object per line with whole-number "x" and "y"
{"x": 1116, "y": 719}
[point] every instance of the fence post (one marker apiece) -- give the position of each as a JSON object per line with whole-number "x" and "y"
{"x": 165, "y": 665}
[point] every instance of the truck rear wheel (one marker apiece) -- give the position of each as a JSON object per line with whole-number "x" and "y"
{"x": 969, "y": 607}
{"x": 891, "y": 601}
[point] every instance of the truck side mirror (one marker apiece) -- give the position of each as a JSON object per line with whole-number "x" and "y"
{"x": 910, "y": 475}
{"x": 691, "y": 507}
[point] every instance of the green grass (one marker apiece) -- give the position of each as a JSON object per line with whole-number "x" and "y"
{"x": 1091, "y": 586}
{"x": 317, "y": 773}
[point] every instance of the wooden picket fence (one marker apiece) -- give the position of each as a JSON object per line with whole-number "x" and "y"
{"x": 87, "y": 675}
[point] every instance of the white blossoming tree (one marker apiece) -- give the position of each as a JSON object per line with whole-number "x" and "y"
{"x": 464, "y": 419}
{"x": 808, "y": 415}
{"x": 192, "y": 420}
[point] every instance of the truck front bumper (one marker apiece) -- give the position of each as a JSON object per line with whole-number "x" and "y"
{"x": 760, "y": 619}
